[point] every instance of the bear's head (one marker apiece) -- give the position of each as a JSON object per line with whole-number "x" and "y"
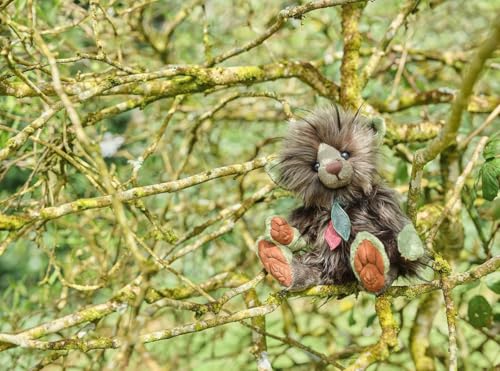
{"x": 330, "y": 154}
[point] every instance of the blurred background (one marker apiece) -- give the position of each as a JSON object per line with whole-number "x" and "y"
{"x": 149, "y": 130}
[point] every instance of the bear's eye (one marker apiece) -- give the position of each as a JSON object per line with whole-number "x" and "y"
{"x": 345, "y": 155}
{"x": 316, "y": 166}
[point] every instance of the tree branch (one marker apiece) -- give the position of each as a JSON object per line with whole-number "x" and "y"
{"x": 15, "y": 222}
{"x": 447, "y": 137}
{"x": 296, "y": 12}
{"x": 129, "y": 292}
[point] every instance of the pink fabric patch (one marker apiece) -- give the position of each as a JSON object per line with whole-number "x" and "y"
{"x": 331, "y": 236}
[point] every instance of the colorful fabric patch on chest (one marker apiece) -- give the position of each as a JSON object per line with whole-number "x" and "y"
{"x": 340, "y": 220}
{"x": 339, "y": 226}
{"x": 332, "y": 238}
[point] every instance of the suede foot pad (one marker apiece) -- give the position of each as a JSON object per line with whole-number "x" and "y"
{"x": 275, "y": 262}
{"x": 281, "y": 232}
{"x": 369, "y": 266}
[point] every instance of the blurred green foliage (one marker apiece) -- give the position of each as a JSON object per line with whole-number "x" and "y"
{"x": 85, "y": 246}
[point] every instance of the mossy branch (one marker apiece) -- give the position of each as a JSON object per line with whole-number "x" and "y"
{"x": 476, "y": 104}
{"x": 8, "y": 222}
{"x": 388, "y": 338}
{"x": 350, "y": 91}
{"x": 123, "y": 65}
{"x": 408, "y": 7}
{"x": 447, "y": 136}
{"x": 296, "y": 12}
{"x": 182, "y": 79}
{"x": 128, "y": 294}
{"x": 420, "y": 331}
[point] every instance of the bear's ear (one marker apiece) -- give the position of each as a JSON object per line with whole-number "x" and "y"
{"x": 377, "y": 124}
{"x": 272, "y": 168}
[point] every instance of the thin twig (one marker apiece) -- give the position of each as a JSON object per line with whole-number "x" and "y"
{"x": 447, "y": 137}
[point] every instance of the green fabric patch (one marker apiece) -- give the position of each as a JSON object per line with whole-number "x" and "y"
{"x": 378, "y": 124}
{"x": 409, "y": 244}
{"x": 341, "y": 221}
{"x": 286, "y": 253}
{"x": 272, "y": 170}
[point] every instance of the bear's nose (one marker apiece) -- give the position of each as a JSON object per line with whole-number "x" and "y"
{"x": 334, "y": 167}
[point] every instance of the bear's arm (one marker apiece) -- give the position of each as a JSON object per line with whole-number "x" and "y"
{"x": 386, "y": 212}
{"x": 309, "y": 222}
{"x": 389, "y": 217}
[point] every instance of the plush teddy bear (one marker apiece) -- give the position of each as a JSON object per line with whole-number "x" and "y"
{"x": 350, "y": 226}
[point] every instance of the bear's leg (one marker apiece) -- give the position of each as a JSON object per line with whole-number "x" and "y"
{"x": 289, "y": 271}
{"x": 277, "y": 261}
{"x": 370, "y": 263}
{"x": 275, "y": 252}
{"x": 304, "y": 275}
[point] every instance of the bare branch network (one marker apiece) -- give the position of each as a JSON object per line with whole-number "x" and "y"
{"x": 136, "y": 140}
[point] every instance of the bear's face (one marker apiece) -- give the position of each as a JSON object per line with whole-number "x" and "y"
{"x": 331, "y": 154}
{"x": 333, "y": 166}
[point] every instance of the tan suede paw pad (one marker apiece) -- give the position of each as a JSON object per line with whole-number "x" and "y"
{"x": 275, "y": 262}
{"x": 281, "y": 232}
{"x": 369, "y": 266}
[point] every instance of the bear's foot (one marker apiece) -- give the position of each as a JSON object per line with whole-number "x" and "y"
{"x": 276, "y": 261}
{"x": 281, "y": 231}
{"x": 369, "y": 266}
{"x": 370, "y": 262}
{"x": 283, "y": 234}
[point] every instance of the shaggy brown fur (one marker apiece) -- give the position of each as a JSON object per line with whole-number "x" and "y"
{"x": 371, "y": 206}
